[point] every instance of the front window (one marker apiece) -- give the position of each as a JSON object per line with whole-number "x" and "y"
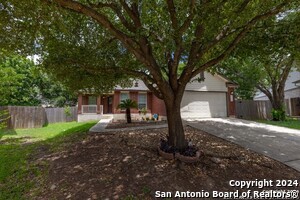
{"x": 92, "y": 100}
{"x": 142, "y": 101}
{"x": 124, "y": 96}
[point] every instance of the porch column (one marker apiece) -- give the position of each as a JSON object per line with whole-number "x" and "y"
{"x": 79, "y": 111}
{"x": 116, "y": 102}
{"x": 98, "y": 105}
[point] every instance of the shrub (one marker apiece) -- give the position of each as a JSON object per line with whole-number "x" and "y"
{"x": 4, "y": 116}
{"x": 67, "y": 110}
{"x": 127, "y": 104}
{"x": 143, "y": 111}
{"x": 278, "y": 114}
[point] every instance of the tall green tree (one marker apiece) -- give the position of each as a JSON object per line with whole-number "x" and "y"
{"x": 120, "y": 39}
{"x": 17, "y": 85}
{"x": 52, "y": 92}
{"x": 22, "y": 83}
{"x": 265, "y": 58}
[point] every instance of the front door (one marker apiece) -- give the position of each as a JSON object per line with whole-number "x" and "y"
{"x": 109, "y": 104}
{"x": 231, "y": 102}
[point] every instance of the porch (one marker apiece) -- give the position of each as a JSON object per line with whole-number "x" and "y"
{"x": 92, "y": 107}
{"x": 96, "y": 107}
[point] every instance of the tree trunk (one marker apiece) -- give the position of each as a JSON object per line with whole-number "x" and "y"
{"x": 278, "y": 112}
{"x": 277, "y": 103}
{"x": 128, "y": 115}
{"x": 176, "y": 137}
{"x": 278, "y": 98}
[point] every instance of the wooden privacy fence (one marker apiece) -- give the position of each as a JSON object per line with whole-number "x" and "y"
{"x": 34, "y": 117}
{"x": 249, "y": 109}
{"x": 55, "y": 115}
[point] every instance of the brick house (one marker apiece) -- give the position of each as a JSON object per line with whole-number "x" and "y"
{"x": 211, "y": 98}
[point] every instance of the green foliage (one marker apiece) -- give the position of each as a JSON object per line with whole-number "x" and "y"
{"x": 14, "y": 170}
{"x": 246, "y": 72}
{"x": 67, "y": 111}
{"x": 143, "y": 111}
{"x": 17, "y": 85}
{"x": 4, "y": 116}
{"x": 98, "y": 44}
{"x": 52, "y": 92}
{"x": 264, "y": 58}
{"x": 80, "y": 51}
{"x": 278, "y": 115}
{"x": 127, "y": 104}
{"x": 289, "y": 123}
{"x": 24, "y": 84}
{"x": 47, "y": 132}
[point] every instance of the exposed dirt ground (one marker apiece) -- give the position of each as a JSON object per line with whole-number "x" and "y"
{"x": 125, "y": 164}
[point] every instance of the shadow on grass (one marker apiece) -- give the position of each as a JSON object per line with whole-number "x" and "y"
{"x": 67, "y": 136}
{"x": 18, "y": 172}
{"x": 4, "y": 132}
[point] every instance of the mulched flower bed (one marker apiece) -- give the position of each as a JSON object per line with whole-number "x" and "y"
{"x": 123, "y": 124}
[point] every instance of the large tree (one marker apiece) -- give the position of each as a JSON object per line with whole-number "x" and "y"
{"x": 23, "y": 84}
{"x": 146, "y": 39}
{"x": 17, "y": 85}
{"x": 264, "y": 59}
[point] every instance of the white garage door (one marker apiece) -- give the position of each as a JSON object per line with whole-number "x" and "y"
{"x": 203, "y": 104}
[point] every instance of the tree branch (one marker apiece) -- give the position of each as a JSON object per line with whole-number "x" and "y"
{"x": 104, "y": 21}
{"x": 187, "y": 72}
{"x": 147, "y": 59}
{"x": 118, "y": 12}
{"x": 285, "y": 73}
{"x": 189, "y": 19}
{"x": 265, "y": 91}
{"x": 243, "y": 6}
{"x": 132, "y": 13}
{"x": 173, "y": 17}
{"x": 153, "y": 89}
{"x": 237, "y": 39}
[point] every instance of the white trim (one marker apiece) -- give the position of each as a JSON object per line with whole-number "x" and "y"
{"x": 290, "y": 106}
{"x": 91, "y": 109}
{"x": 145, "y": 93}
{"x": 221, "y": 77}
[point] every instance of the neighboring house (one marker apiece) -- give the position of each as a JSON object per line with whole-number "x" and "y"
{"x": 291, "y": 94}
{"x": 210, "y": 98}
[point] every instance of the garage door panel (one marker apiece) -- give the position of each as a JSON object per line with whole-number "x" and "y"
{"x": 203, "y": 104}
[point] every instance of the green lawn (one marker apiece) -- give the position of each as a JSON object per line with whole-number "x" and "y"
{"x": 50, "y": 131}
{"x": 17, "y": 174}
{"x": 289, "y": 123}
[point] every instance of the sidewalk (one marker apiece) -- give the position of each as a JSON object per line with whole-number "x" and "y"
{"x": 101, "y": 125}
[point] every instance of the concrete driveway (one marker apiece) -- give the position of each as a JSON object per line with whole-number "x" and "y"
{"x": 282, "y": 144}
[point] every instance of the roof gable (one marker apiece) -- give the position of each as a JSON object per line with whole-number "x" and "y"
{"x": 212, "y": 82}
